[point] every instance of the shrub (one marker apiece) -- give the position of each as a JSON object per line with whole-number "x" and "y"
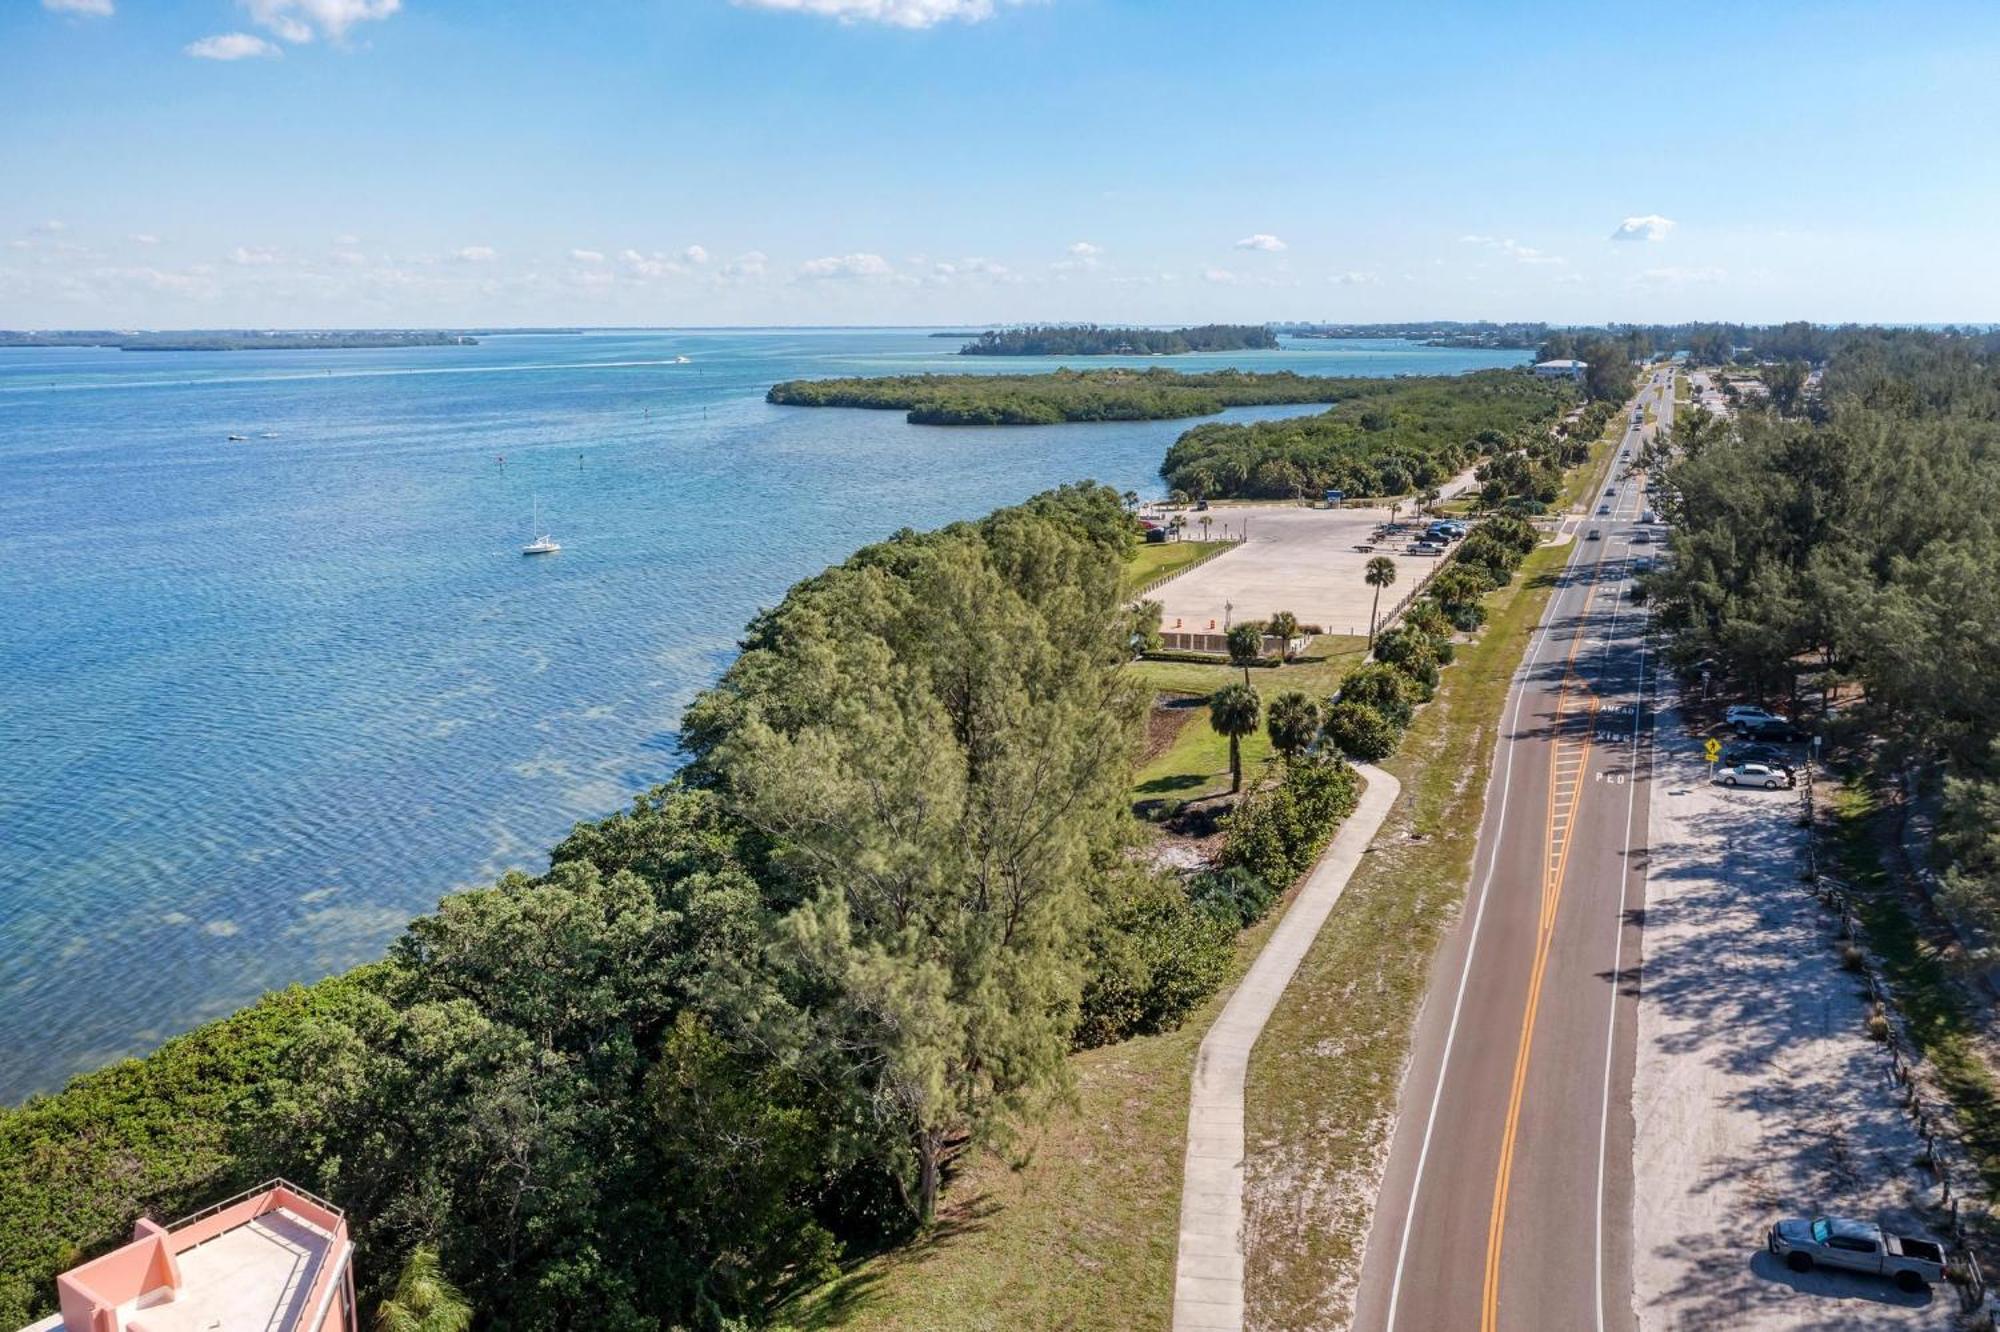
{"x": 1384, "y": 688}
{"x": 1412, "y": 654}
{"x": 1361, "y": 732}
{"x": 1277, "y": 834}
{"x": 1154, "y": 960}
{"x": 1233, "y": 893}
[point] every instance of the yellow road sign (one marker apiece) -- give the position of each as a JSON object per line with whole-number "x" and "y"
{"x": 1713, "y": 749}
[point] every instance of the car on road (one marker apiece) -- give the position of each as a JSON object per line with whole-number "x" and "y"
{"x": 1649, "y": 516}
{"x": 1603, "y": 510}
{"x": 1594, "y": 534}
{"x": 1911, "y": 1262}
{"x": 1610, "y": 491}
{"x": 1642, "y": 538}
{"x": 1753, "y": 774}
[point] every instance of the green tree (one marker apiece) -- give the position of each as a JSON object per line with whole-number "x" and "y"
{"x": 424, "y": 1300}
{"x": 1285, "y": 626}
{"x": 1246, "y": 645}
{"x": 1293, "y": 721}
{"x": 1233, "y": 711}
{"x": 1379, "y": 573}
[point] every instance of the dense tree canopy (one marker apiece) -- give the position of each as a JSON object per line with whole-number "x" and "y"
{"x": 1064, "y": 395}
{"x": 1093, "y": 340}
{"x": 1860, "y": 544}
{"x": 1402, "y": 436}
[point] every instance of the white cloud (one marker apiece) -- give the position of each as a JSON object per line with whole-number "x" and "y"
{"x": 1650, "y": 226}
{"x": 1085, "y": 250}
{"x": 746, "y": 266}
{"x": 1353, "y": 278}
{"x": 587, "y": 256}
{"x": 896, "y": 13}
{"x": 476, "y": 254}
{"x": 302, "y": 20}
{"x": 347, "y": 240}
{"x": 94, "y": 8}
{"x": 1513, "y": 249}
{"x": 349, "y": 258}
{"x": 695, "y": 254}
{"x": 1218, "y": 275}
{"x": 253, "y": 256}
{"x": 230, "y": 46}
{"x": 144, "y": 238}
{"x": 844, "y": 266}
{"x": 1263, "y": 240}
{"x": 650, "y": 266}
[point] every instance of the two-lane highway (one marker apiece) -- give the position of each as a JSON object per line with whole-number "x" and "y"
{"x": 1507, "y": 1199}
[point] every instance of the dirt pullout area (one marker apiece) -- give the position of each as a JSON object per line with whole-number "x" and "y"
{"x": 1758, "y": 1093}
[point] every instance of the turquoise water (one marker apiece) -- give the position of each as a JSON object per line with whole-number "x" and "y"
{"x": 265, "y": 700}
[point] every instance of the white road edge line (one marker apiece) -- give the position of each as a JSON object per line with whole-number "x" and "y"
{"x": 1479, "y": 915}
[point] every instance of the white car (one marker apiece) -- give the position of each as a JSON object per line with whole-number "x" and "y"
{"x": 1752, "y": 774}
{"x": 1747, "y": 712}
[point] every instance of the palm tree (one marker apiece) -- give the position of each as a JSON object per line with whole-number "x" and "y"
{"x": 1205, "y": 521}
{"x": 1380, "y": 573}
{"x": 1131, "y": 499}
{"x": 1233, "y": 712}
{"x": 1293, "y": 721}
{"x": 424, "y": 1300}
{"x": 1246, "y": 644}
{"x": 1286, "y": 626}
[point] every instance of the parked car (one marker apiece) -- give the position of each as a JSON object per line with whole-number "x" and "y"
{"x": 1775, "y": 729}
{"x": 1911, "y": 1262}
{"x": 1752, "y": 774}
{"x": 1751, "y": 751}
{"x": 1594, "y": 534}
{"x": 1739, "y": 712}
{"x": 1156, "y": 536}
{"x": 1426, "y": 548}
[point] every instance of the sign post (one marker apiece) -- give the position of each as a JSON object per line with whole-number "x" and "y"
{"x": 1713, "y": 751}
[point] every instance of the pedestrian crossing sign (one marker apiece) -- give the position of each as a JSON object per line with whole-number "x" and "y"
{"x": 1713, "y": 749}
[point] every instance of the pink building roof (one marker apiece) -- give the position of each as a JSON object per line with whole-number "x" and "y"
{"x": 273, "y": 1259}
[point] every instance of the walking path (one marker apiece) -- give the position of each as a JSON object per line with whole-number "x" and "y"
{"x": 1208, "y": 1278}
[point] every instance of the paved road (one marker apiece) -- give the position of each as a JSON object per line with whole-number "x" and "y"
{"x": 1507, "y": 1198}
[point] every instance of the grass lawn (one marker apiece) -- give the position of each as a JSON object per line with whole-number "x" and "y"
{"x": 1076, "y": 1228}
{"x": 1168, "y": 557}
{"x": 1584, "y": 481}
{"x": 1197, "y": 763}
{"x": 1324, "y": 1077}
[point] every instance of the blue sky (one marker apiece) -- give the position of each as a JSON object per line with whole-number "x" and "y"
{"x": 437, "y": 162}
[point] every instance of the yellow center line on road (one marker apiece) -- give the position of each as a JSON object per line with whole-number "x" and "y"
{"x": 1561, "y": 817}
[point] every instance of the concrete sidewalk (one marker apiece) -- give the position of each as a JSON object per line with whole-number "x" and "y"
{"x": 1208, "y": 1278}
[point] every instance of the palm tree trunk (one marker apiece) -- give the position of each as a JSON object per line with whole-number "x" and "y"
{"x": 1235, "y": 764}
{"x": 1371, "y": 618}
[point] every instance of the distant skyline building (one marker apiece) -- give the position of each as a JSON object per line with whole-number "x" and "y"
{"x": 272, "y": 1259}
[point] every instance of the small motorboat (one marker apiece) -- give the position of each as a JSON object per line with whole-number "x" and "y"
{"x": 238, "y": 439}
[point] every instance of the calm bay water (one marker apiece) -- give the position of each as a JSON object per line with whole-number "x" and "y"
{"x": 265, "y": 700}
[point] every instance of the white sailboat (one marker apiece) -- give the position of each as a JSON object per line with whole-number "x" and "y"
{"x": 543, "y": 544}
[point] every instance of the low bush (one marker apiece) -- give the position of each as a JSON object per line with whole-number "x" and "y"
{"x": 1360, "y": 732}
{"x": 1153, "y": 961}
{"x": 1278, "y": 833}
{"x": 1233, "y": 893}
